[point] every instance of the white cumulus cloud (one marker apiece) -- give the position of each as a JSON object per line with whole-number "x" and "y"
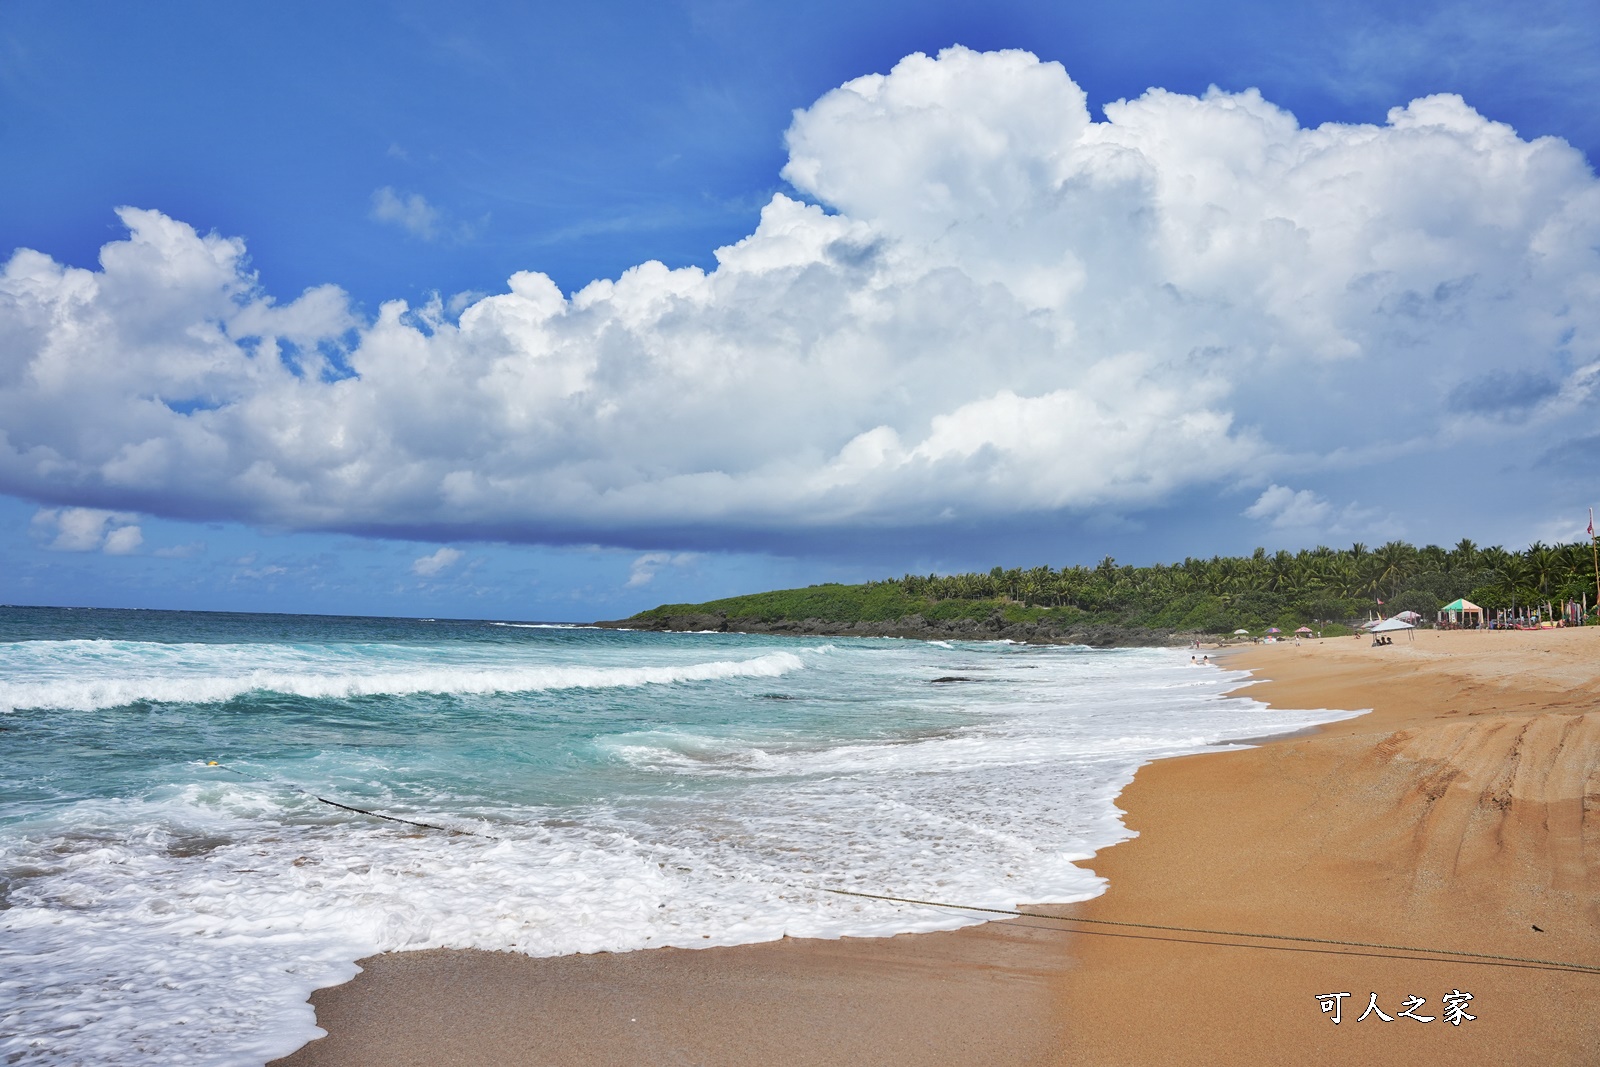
{"x": 88, "y": 530}
{"x": 436, "y": 563}
{"x": 123, "y": 541}
{"x": 984, "y": 303}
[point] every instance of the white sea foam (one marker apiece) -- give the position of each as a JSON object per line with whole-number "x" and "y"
{"x": 546, "y": 625}
{"x": 102, "y": 685}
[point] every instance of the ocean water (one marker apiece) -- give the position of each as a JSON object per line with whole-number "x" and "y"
{"x": 610, "y": 791}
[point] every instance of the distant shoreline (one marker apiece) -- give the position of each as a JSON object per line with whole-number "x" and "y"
{"x": 919, "y": 629}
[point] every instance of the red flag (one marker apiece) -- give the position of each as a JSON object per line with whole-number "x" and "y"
{"x": 1380, "y": 601}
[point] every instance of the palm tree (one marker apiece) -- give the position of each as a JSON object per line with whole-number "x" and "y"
{"x": 1545, "y": 569}
{"x": 1395, "y": 562}
{"x": 1517, "y": 578}
{"x": 1494, "y": 558}
{"x": 1280, "y": 574}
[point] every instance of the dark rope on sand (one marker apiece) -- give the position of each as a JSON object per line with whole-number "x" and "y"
{"x": 348, "y": 807}
{"x": 1585, "y": 967}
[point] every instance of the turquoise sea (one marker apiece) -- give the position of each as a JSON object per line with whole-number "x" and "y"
{"x": 610, "y": 790}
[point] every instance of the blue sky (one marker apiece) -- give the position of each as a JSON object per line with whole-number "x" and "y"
{"x": 1001, "y": 399}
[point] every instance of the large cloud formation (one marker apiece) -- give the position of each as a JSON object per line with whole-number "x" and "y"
{"x": 993, "y": 305}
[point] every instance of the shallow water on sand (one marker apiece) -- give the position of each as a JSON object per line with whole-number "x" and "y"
{"x": 610, "y": 791}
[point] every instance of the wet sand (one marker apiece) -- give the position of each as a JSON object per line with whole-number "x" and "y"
{"x": 1461, "y": 813}
{"x": 983, "y": 994}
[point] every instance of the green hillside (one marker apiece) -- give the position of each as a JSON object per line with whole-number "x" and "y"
{"x": 1318, "y": 586}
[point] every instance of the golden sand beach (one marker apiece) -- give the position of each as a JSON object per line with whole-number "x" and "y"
{"x": 1462, "y": 813}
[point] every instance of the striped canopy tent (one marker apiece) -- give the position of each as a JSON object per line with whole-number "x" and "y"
{"x": 1458, "y": 611}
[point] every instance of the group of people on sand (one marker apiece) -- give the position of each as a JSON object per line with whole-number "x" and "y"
{"x": 1381, "y": 639}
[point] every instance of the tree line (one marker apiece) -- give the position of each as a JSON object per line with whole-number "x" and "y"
{"x": 1319, "y": 584}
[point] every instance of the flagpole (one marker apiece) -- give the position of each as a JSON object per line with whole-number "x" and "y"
{"x": 1594, "y": 554}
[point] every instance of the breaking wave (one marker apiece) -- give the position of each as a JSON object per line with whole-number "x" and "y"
{"x": 95, "y": 693}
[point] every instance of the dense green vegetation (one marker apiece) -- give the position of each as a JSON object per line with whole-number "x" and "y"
{"x": 1215, "y": 595}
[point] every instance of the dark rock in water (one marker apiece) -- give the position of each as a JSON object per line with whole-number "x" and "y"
{"x": 776, "y": 696}
{"x": 951, "y": 678}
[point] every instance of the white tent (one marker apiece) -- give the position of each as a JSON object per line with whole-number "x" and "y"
{"x": 1389, "y": 626}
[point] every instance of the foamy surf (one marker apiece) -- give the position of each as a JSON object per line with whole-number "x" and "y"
{"x": 190, "y": 684}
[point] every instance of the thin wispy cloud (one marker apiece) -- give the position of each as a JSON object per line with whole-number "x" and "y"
{"x": 645, "y": 568}
{"x": 1285, "y": 508}
{"x": 409, "y": 211}
{"x": 413, "y": 213}
{"x": 1539, "y": 53}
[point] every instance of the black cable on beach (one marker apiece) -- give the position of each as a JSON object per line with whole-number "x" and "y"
{"x": 1484, "y": 956}
{"x": 348, "y": 807}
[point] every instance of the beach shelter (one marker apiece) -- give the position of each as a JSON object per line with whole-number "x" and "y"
{"x": 1239, "y": 633}
{"x": 1389, "y": 626}
{"x": 1458, "y": 610}
{"x": 1305, "y": 630}
{"x": 1273, "y": 630}
{"x": 1409, "y": 616}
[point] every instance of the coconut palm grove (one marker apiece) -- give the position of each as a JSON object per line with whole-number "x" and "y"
{"x": 1331, "y": 589}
